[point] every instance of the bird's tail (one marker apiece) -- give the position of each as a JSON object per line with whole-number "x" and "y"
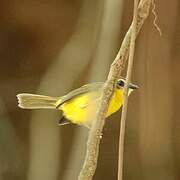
{"x": 34, "y": 101}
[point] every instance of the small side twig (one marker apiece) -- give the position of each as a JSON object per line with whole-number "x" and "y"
{"x": 117, "y": 67}
{"x": 128, "y": 80}
{"x": 155, "y": 18}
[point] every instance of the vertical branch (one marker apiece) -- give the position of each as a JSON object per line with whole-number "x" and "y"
{"x": 117, "y": 67}
{"x": 128, "y": 80}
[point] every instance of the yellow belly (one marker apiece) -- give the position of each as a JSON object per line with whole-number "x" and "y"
{"x": 82, "y": 109}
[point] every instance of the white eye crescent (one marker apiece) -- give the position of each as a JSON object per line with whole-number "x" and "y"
{"x": 121, "y": 82}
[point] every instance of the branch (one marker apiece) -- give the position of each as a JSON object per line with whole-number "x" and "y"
{"x": 155, "y": 18}
{"x": 125, "y": 105}
{"x": 117, "y": 67}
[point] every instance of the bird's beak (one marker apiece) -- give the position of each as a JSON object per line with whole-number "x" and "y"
{"x": 133, "y": 86}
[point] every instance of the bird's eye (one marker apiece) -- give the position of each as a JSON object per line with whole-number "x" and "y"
{"x": 121, "y": 83}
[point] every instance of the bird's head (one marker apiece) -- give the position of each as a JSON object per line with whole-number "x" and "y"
{"x": 121, "y": 83}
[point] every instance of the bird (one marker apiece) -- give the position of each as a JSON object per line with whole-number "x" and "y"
{"x": 79, "y": 106}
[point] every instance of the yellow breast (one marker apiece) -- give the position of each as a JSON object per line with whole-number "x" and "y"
{"x": 82, "y": 109}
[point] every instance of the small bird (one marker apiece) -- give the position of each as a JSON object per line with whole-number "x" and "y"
{"x": 78, "y": 106}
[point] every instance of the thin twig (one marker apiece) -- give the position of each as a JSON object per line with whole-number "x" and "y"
{"x": 155, "y": 18}
{"x": 128, "y": 80}
{"x": 117, "y": 67}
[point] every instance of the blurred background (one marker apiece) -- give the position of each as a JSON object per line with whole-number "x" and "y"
{"x": 52, "y": 47}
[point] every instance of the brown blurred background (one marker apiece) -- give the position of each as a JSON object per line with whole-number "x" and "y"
{"x": 52, "y": 47}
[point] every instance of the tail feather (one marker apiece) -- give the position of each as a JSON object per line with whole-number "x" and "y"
{"x": 33, "y": 101}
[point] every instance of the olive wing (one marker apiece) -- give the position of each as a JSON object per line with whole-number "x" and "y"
{"x": 83, "y": 89}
